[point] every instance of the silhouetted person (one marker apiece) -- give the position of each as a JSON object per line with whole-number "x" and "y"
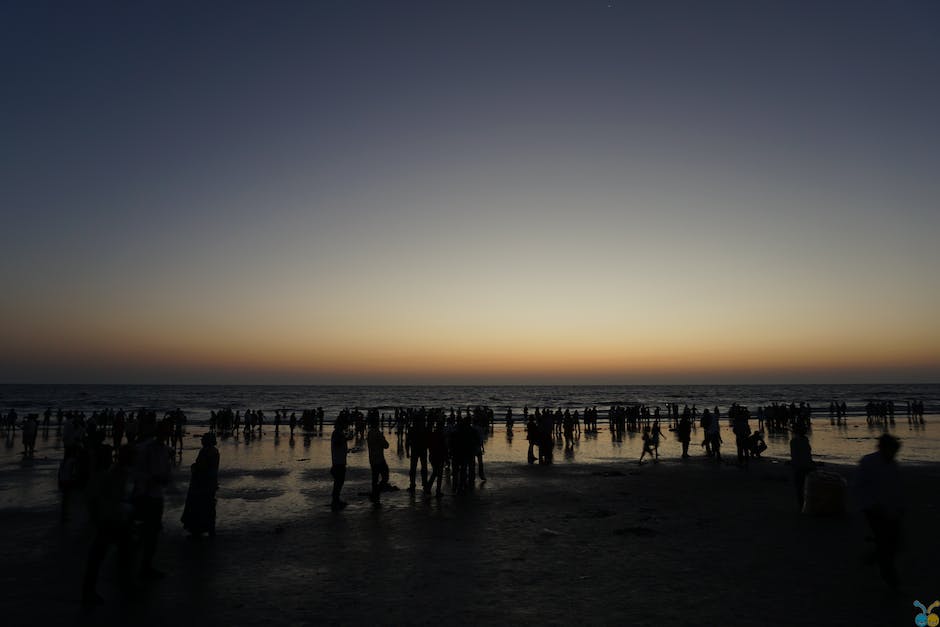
{"x": 532, "y": 435}
{"x": 647, "y": 444}
{"x": 713, "y": 437}
{"x": 179, "y": 421}
{"x": 741, "y": 431}
{"x": 151, "y": 475}
{"x": 478, "y": 450}
{"x": 418, "y": 443}
{"x": 110, "y": 516}
{"x": 756, "y": 444}
{"x": 881, "y": 497}
{"x": 801, "y": 460}
{"x": 656, "y": 434}
{"x": 377, "y": 444}
{"x": 546, "y": 441}
{"x": 705, "y": 422}
{"x": 199, "y": 511}
{"x": 463, "y": 452}
{"x": 567, "y": 425}
{"x": 72, "y": 433}
{"x": 684, "y": 432}
{"x": 437, "y": 452}
{"x": 117, "y": 429}
{"x": 339, "y": 449}
{"x": 69, "y": 476}
{"x": 30, "y": 429}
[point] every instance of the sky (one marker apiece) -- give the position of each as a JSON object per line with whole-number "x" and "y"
{"x": 470, "y": 192}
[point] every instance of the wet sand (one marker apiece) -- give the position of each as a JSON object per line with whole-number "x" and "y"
{"x": 668, "y": 543}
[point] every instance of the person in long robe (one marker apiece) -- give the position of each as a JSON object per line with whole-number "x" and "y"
{"x": 199, "y": 512}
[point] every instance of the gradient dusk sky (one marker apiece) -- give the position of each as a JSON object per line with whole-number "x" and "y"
{"x": 471, "y": 192}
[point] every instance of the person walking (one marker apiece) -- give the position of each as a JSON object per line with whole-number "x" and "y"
{"x": 881, "y": 498}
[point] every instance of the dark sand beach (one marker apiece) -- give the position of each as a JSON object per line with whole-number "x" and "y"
{"x": 669, "y": 543}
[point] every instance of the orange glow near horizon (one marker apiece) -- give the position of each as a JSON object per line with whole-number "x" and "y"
{"x": 540, "y": 352}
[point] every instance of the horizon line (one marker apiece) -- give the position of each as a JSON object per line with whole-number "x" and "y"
{"x": 457, "y": 385}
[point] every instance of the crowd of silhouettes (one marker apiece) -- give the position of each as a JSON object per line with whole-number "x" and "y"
{"x": 438, "y": 443}
{"x": 122, "y": 483}
{"x": 122, "y": 460}
{"x": 228, "y": 423}
{"x": 882, "y": 413}
{"x": 454, "y": 438}
{"x": 783, "y": 417}
{"x": 838, "y": 412}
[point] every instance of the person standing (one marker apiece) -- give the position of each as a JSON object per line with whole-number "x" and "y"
{"x": 110, "y": 516}
{"x": 684, "y": 432}
{"x": 179, "y": 421}
{"x": 199, "y": 511}
{"x": 713, "y": 437}
{"x": 532, "y": 435}
{"x": 880, "y": 494}
{"x": 546, "y": 441}
{"x": 377, "y": 444}
{"x": 705, "y": 423}
{"x": 437, "y": 449}
{"x": 801, "y": 460}
{"x": 741, "y": 430}
{"x": 465, "y": 443}
{"x": 151, "y": 475}
{"x": 476, "y": 462}
{"x": 418, "y": 443}
{"x": 30, "y": 429}
{"x": 339, "y": 449}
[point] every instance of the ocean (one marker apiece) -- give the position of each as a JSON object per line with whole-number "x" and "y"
{"x": 198, "y": 400}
